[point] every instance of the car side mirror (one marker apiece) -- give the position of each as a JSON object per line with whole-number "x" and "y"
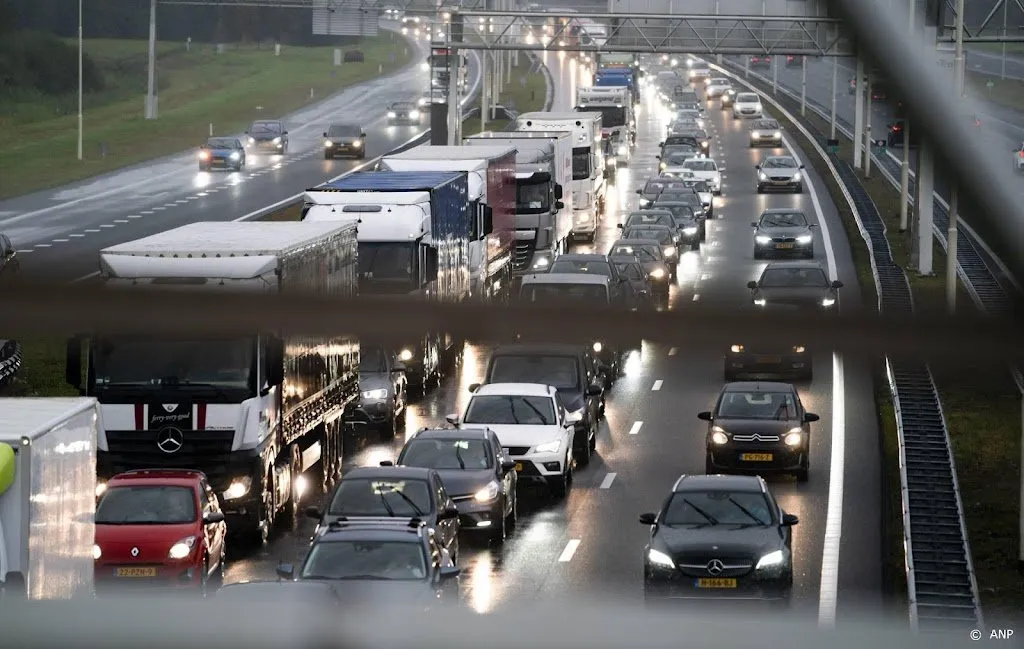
{"x": 657, "y": 157}
{"x": 399, "y": 366}
{"x": 473, "y": 387}
{"x": 801, "y": 166}
{"x": 837, "y": 284}
{"x": 789, "y": 520}
{"x": 704, "y": 415}
{"x": 757, "y": 167}
{"x": 661, "y": 144}
{"x": 284, "y": 132}
{"x": 448, "y": 513}
{"x": 639, "y": 192}
{"x": 752, "y": 285}
{"x": 508, "y": 465}
{"x": 559, "y": 205}
{"x": 810, "y": 417}
{"x": 452, "y": 419}
{"x": 573, "y": 417}
{"x": 213, "y": 517}
{"x": 387, "y": 463}
{"x": 449, "y": 572}
{"x": 620, "y": 225}
{"x": 362, "y": 135}
{"x": 753, "y": 224}
{"x": 247, "y": 132}
{"x": 285, "y": 571}
{"x": 649, "y": 518}
{"x": 812, "y": 225}
{"x": 314, "y": 512}
{"x": 594, "y": 390}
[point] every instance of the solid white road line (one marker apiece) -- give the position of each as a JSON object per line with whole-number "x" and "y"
{"x": 673, "y": 351}
{"x": 609, "y": 478}
{"x": 635, "y": 428}
{"x": 827, "y": 598}
{"x": 570, "y": 549}
{"x": 657, "y": 385}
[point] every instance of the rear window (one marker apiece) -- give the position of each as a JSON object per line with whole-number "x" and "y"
{"x": 746, "y": 97}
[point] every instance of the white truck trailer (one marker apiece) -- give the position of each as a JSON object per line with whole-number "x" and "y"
{"x": 618, "y": 124}
{"x": 47, "y": 497}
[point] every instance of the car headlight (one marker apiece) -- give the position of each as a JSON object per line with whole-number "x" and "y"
{"x": 704, "y": 144}
{"x": 658, "y": 273}
{"x": 237, "y": 488}
{"x": 660, "y": 559}
{"x": 762, "y": 175}
{"x": 541, "y": 262}
{"x": 204, "y": 155}
{"x": 547, "y": 447}
{"x": 718, "y": 436}
{"x": 777, "y": 135}
{"x": 357, "y": 144}
{"x": 755, "y": 134}
{"x": 760, "y": 301}
{"x": 670, "y": 251}
{"x": 391, "y": 114}
{"x": 405, "y": 355}
{"x": 662, "y": 166}
{"x": 598, "y": 347}
{"x": 771, "y": 559}
{"x": 277, "y": 140}
{"x": 252, "y": 140}
{"x": 425, "y": 66}
{"x": 488, "y": 493}
{"x": 101, "y": 488}
{"x": 796, "y": 177}
{"x": 378, "y": 394}
{"x": 689, "y": 231}
{"x": 799, "y": 349}
{"x": 795, "y": 437}
{"x": 182, "y": 548}
{"x": 96, "y": 552}
{"x": 414, "y": 114}
{"x": 328, "y": 144}
{"x": 804, "y": 238}
{"x": 622, "y": 150}
{"x": 234, "y": 155}
{"x": 828, "y": 301}
{"x": 762, "y": 239}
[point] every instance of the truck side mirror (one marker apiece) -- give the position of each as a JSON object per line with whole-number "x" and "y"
{"x": 73, "y": 362}
{"x": 430, "y": 263}
{"x": 274, "y": 364}
{"x": 558, "y": 192}
{"x": 559, "y": 205}
{"x": 486, "y": 221}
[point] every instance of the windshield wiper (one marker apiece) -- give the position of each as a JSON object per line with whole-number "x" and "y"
{"x": 543, "y": 419}
{"x": 458, "y": 456}
{"x": 746, "y": 511}
{"x": 711, "y": 519}
{"x": 416, "y": 510}
{"x": 387, "y": 506}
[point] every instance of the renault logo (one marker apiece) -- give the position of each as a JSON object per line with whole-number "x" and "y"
{"x": 135, "y": 552}
{"x": 715, "y": 567}
{"x": 170, "y": 440}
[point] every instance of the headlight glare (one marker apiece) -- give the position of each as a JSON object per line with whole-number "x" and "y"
{"x": 237, "y": 488}
{"x": 771, "y": 559}
{"x": 755, "y": 134}
{"x": 622, "y": 150}
{"x": 182, "y": 548}
{"x": 96, "y": 552}
{"x": 804, "y": 238}
{"x": 670, "y": 251}
{"x": 828, "y": 301}
{"x": 760, "y": 301}
{"x": 718, "y": 437}
{"x": 234, "y": 155}
{"x": 657, "y": 273}
{"x": 380, "y": 393}
{"x": 777, "y": 135}
{"x": 799, "y": 349}
{"x": 541, "y": 262}
{"x": 660, "y": 559}
{"x": 762, "y": 175}
{"x": 414, "y": 114}
{"x": 391, "y": 114}
{"x": 488, "y": 493}
{"x": 762, "y": 239}
{"x": 405, "y": 355}
{"x": 737, "y": 349}
{"x": 690, "y": 231}
{"x": 547, "y": 447}
{"x": 796, "y": 177}
{"x": 598, "y": 347}
{"x": 794, "y": 439}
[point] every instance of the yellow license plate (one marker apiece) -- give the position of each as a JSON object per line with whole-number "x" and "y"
{"x": 135, "y": 572}
{"x": 769, "y": 359}
{"x": 519, "y": 466}
{"x": 783, "y": 246}
{"x": 756, "y": 457}
{"x": 716, "y": 583}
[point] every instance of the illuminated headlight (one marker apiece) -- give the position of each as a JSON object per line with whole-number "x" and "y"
{"x": 237, "y": 488}
{"x": 357, "y": 144}
{"x": 96, "y": 552}
{"x": 182, "y": 548}
{"x": 405, "y": 355}
{"x": 328, "y": 144}
{"x": 762, "y": 175}
{"x": 663, "y": 166}
{"x": 670, "y": 251}
{"x": 762, "y": 239}
{"x": 795, "y": 437}
{"x": 541, "y": 262}
{"x": 277, "y": 140}
{"x": 622, "y": 150}
{"x": 101, "y": 488}
{"x": 414, "y": 114}
{"x": 755, "y": 135}
{"x": 378, "y": 394}
{"x": 718, "y": 436}
{"x": 736, "y": 349}
{"x": 799, "y": 349}
{"x": 252, "y": 140}
{"x": 660, "y": 559}
{"x": 796, "y": 177}
{"x": 827, "y": 302}
{"x": 547, "y": 447}
{"x": 674, "y": 62}
{"x": 700, "y": 124}
{"x": 690, "y": 231}
{"x": 488, "y": 493}
{"x": 598, "y": 347}
{"x": 405, "y": 30}
{"x": 704, "y": 144}
{"x": 391, "y": 114}
{"x": 658, "y": 273}
{"x": 771, "y": 559}
{"x": 425, "y": 66}
{"x": 760, "y": 301}
{"x": 204, "y": 155}
{"x": 777, "y": 135}
{"x": 804, "y": 238}
{"x": 422, "y": 101}
{"x": 234, "y": 155}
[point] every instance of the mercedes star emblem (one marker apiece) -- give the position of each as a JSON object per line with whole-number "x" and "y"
{"x": 715, "y": 567}
{"x": 170, "y": 440}
{"x": 135, "y": 552}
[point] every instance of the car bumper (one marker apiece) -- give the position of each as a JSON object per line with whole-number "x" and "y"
{"x": 775, "y": 458}
{"x": 265, "y": 146}
{"x": 671, "y": 584}
{"x": 219, "y": 163}
{"x": 793, "y": 249}
{"x": 775, "y": 185}
{"x": 167, "y": 577}
{"x": 342, "y": 149}
{"x": 766, "y": 365}
{"x": 537, "y": 468}
{"x": 766, "y": 141}
{"x": 746, "y": 113}
{"x": 370, "y": 414}
{"x": 479, "y": 517}
{"x": 403, "y": 121}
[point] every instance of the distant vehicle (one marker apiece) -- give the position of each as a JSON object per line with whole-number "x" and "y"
{"x": 717, "y": 87}
{"x": 344, "y": 139}
{"x": 267, "y": 135}
{"x": 221, "y": 153}
{"x": 383, "y": 392}
{"x": 780, "y": 172}
{"x": 706, "y": 169}
{"x": 746, "y": 104}
{"x": 699, "y": 71}
{"x": 766, "y": 132}
{"x": 760, "y": 61}
{"x": 727, "y": 98}
{"x": 794, "y": 61}
{"x": 627, "y": 266}
{"x": 404, "y": 113}
{"x": 800, "y": 285}
{"x": 1018, "y": 158}
{"x": 648, "y": 252}
{"x": 159, "y": 527}
{"x": 783, "y": 231}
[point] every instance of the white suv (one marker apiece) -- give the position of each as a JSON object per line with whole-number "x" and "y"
{"x": 533, "y": 426}
{"x": 746, "y": 104}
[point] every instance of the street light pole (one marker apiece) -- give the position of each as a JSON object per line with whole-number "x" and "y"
{"x": 954, "y": 189}
{"x": 151, "y": 87}
{"x": 80, "y": 81}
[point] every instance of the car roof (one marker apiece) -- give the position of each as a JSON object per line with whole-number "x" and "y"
{"x": 375, "y": 530}
{"x": 654, "y": 211}
{"x": 564, "y": 278}
{"x": 688, "y": 483}
{"x": 523, "y": 349}
{"x": 582, "y": 256}
{"x": 783, "y": 210}
{"x": 795, "y": 264}
{"x": 170, "y": 477}
{"x": 758, "y": 386}
{"x": 453, "y": 433}
{"x": 516, "y": 389}
{"x": 637, "y": 242}
{"x": 624, "y": 259}
{"x": 389, "y": 473}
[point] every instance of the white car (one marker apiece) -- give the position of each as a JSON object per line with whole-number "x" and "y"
{"x": 746, "y": 104}
{"x": 534, "y": 428}
{"x": 716, "y": 87}
{"x": 706, "y": 169}
{"x": 1018, "y": 158}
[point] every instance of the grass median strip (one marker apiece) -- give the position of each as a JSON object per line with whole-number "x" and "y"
{"x": 197, "y": 87}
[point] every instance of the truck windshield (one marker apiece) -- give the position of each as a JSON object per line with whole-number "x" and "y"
{"x": 611, "y": 116}
{"x": 532, "y": 197}
{"x": 225, "y": 363}
{"x": 581, "y": 163}
{"x": 386, "y": 267}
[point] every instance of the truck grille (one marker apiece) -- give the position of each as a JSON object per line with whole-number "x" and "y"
{"x": 523, "y": 255}
{"x": 205, "y": 450}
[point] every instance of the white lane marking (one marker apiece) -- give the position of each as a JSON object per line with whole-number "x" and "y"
{"x": 180, "y": 201}
{"x": 609, "y": 478}
{"x": 24, "y": 252}
{"x": 657, "y": 385}
{"x": 696, "y": 296}
{"x": 827, "y": 597}
{"x": 673, "y": 351}
{"x": 43, "y": 245}
{"x": 570, "y": 549}
{"x": 120, "y": 220}
{"x": 635, "y": 428}
{"x": 84, "y": 278}
{"x": 92, "y": 230}
{"x": 76, "y": 236}
{"x": 159, "y": 208}
{"x": 134, "y": 216}
{"x": 106, "y": 225}
{"x": 58, "y": 240}
{"x": 146, "y": 212}
{"x": 830, "y": 256}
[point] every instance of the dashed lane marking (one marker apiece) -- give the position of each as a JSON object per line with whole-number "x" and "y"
{"x": 609, "y": 478}
{"x": 657, "y": 385}
{"x": 635, "y": 428}
{"x": 570, "y": 549}
{"x": 673, "y": 351}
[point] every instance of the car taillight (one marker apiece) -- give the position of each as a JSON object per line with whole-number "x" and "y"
{"x": 1021, "y": 153}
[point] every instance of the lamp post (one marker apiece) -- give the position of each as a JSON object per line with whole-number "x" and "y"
{"x": 80, "y": 80}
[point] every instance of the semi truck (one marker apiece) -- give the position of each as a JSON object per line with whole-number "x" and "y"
{"x": 47, "y": 497}
{"x": 543, "y": 194}
{"x": 619, "y": 77}
{"x": 588, "y": 166}
{"x": 414, "y": 234}
{"x": 254, "y": 411}
{"x": 618, "y": 125}
{"x": 492, "y": 200}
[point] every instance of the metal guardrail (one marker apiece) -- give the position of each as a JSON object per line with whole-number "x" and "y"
{"x": 942, "y": 590}
{"x": 10, "y": 360}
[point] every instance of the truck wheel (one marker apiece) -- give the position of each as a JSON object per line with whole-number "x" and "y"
{"x": 293, "y": 508}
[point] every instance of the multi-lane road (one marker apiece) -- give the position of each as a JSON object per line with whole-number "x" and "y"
{"x": 591, "y": 544}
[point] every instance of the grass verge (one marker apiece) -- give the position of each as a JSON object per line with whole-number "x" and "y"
{"x": 1008, "y": 93}
{"x": 983, "y": 414}
{"x": 197, "y": 88}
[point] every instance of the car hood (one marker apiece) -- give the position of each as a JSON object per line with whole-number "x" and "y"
{"x": 760, "y": 426}
{"x": 347, "y": 139}
{"x": 745, "y": 104}
{"x": 704, "y": 174}
{"x": 464, "y": 483}
{"x": 524, "y": 435}
{"x": 264, "y": 136}
{"x": 780, "y": 172}
{"x": 220, "y": 151}
{"x": 727, "y": 540}
{"x": 784, "y": 232}
{"x": 382, "y": 593}
{"x": 153, "y": 541}
{"x": 373, "y": 381}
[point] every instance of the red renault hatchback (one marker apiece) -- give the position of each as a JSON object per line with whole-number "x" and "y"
{"x": 159, "y": 528}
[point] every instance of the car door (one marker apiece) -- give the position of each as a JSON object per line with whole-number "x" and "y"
{"x": 448, "y": 528}
{"x": 507, "y": 478}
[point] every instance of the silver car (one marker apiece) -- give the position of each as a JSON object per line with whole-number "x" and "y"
{"x": 780, "y": 172}
{"x": 717, "y": 87}
{"x": 783, "y": 231}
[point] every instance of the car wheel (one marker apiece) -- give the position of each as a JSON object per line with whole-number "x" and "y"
{"x": 499, "y": 533}
{"x": 238, "y": 167}
{"x": 389, "y": 430}
{"x": 560, "y": 486}
{"x": 760, "y": 189}
{"x": 581, "y": 451}
{"x": 695, "y": 245}
{"x": 809, "y": 254}
{"x": 204, "y": 578}
{"x": 802, "y": 474}
{"x": 328, "y": 156}
{"x": 709, "y": 468}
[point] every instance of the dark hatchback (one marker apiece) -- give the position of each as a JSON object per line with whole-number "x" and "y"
{"x": 719, "y": 538}
{"x": 221, "y": 153}
{"x": 759, "y": 428}
{"x": 591, "y": 264}
{"x": 383, "y": 392}
{"x": 633, "y": 271}
{"x": 795, "y": 286}
{"x": 685, "y": 205}
{"x": 344, "y": 139}
{"x": 476, "y": 472}
{"x": 375, "y": 494}
{"x": 267, "y": 136}
{"x": 570, "y": 369}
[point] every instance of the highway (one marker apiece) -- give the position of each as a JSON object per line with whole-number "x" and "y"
{"x": 591, "y": 544}
{"x": 60, "y": 232}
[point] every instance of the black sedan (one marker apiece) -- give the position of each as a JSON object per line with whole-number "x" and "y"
{"x": 630, "y": 268}
{"x": 719, "y": 538}
{"x": 475, "y": 471}
{"x": 665, "y": 235}
{"x": 404, "y": 113}
{"x": 267, "y": 135}
{"x": 648, "y": 253}
{"x": 795, "y": 285}
{"x": 783, "y": 232}
{"x": 759, "y": 428}
{"x": 776, "y": 361}
{"x": 344, "y": 139}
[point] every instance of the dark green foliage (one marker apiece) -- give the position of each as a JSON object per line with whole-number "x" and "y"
{"x": 42, "y": 63}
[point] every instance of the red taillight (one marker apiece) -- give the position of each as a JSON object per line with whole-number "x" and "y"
{"x": 897, "y": 129}
{"x": 1021, "y": 153}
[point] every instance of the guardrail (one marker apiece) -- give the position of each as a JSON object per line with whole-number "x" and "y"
{"x": 10, "y": 360}
{"x": 941, "y": 587}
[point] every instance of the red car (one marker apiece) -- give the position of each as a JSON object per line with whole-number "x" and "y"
{"x": 760, "y": 61}
{"x": 159, "y": 528}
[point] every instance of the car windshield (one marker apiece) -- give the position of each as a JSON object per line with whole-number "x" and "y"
{"x": 630, "y": 270}
{"x": 679, "y": 211}
{"x": 265, "y": 128}
{"x": 676, "y": 158}
{"x": 343, "y": 130}
{"x": 793, "y": 277}
{"x": 562, "y": 372}
{"x": 746, "y": 98}
{"x": 779, "y": 163}
{"x": 403, "y": 105}
{"x": 590, "y": 267}
{"x": 372, "y": 359}
{"x": 221, "y": 143}
{"x": 381, "y": 497}
{"x": 783, "y": 220}
{"x": 757, "y": 404}
{"x": 717, "y": 508}
{"x": 464, "y": 454}
{"x": 661, "y": 235}
{"x": 718, "y": 81}
{"x": 766, "y": 125}
{"x": 648, "y": 218}
{"x": 654, "y": 187}
{"x": 699, "y": 186}
{"x": 386, "y": 560}
{"x": 511, "y": 409}
{"x": 701, "y": 165}
{"x": 147, "y": 505}
{"x": 687, "y": 150}
{"x": 642, "y": 251}
{"x": 559, "y": 293}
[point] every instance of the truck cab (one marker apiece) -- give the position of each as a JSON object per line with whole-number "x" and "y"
{"x": 618, "y": 124}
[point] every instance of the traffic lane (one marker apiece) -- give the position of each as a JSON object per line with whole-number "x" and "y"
{"x": 993, "y": 64}
{"x": 130, "y": 188}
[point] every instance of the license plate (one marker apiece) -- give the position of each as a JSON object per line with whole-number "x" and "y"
{"x": 769, "y": 359}
{"x": 716, "y": 583}
{"x": 519, "y": 466}
{"x": 756, "y": 457}
{"x": 784, "y": 246}
{"x": 135, "y": 572}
